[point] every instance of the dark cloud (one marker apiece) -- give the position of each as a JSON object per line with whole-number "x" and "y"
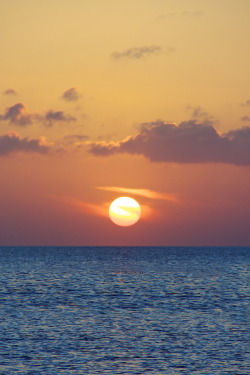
{"x": 190, "y": 142}
{"x": 11, "y": 142}
{"x": 10, "y": 92}
{"x": 71, "y": 95}
{"x": 19, "y": 115}
{"x": 246, "y": 103}
{"x": 56, "y": 116}
{"x": 136, "y": 52}
{"x": 245, "y": 118}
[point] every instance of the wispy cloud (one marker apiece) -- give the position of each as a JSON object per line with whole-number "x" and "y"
{"x": 147, "y": 193}
{"x": 102, "y": 209}
{"x": 198, "y": 113}
{"x": 245, "y": 118}
{"x": 86, "y": 207}
{"x": 246, "y": 103}
{"x": 190, "y": 142}
{"x": 195, "y": 13}
{"x": 10, "y": 92}
{"x": 136, "y": 52}
{"x": 73, "y": 138}
{"x": 71, "y": 95}
{"x": 11, "y": 142}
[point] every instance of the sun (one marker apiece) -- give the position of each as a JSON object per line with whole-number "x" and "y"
{"x": 124, "y": 211}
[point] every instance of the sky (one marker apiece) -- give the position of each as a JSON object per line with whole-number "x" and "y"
{"x": 142, "y": 98}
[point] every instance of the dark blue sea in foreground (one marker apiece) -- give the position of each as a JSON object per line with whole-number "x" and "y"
{"x": 131, "y": 310}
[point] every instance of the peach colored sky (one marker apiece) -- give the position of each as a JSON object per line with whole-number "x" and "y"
{"x": 149, "y": 99}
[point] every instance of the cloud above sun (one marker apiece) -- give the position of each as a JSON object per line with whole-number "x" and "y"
{"x": 146, "y": 193}
{"x": 188, "y": 142}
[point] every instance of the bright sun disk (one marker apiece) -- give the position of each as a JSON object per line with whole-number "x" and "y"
{"x": 124, "y": 211}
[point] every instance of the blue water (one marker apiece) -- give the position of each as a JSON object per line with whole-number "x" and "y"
{"x": 131, "y": 310}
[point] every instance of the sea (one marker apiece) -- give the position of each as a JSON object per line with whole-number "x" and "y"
{"x": 124, "y": 310}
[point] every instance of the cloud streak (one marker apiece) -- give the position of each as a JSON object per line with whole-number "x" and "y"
{"x": 75, "y": 138}
{"x": 11, "y": 142}
{"x": 190, "y": 142}
{"x": 136, "y": 52}
{"x": 195, "y": 13}
{"x": 146, "y": 193}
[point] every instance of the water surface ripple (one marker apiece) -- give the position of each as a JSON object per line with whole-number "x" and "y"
{"x": 131, "y": 310}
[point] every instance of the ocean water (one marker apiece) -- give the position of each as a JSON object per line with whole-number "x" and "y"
{"x": 124, "y": 310}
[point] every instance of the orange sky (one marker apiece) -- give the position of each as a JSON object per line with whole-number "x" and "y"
{"x": 103, "y": 98}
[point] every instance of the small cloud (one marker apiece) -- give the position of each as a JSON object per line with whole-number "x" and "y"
{"x": 136, "y": 52}
{"x": 190, "y": 142}
{"x": 246, "y": 103}
{"x": 245, "y": 118}
{"x": 56, "y": 116}
{"x": 71, "y": 95}
{"x": 18, "y": 114}
{"x": 147, "y": 193}
{"x": 11, "y": 142}
{"x": 10, "y": 92}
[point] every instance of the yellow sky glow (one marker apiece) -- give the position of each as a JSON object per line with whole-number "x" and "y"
{"x": 148, "y": 99}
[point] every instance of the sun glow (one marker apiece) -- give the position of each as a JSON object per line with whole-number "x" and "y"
{"x": 124, "y": 211}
